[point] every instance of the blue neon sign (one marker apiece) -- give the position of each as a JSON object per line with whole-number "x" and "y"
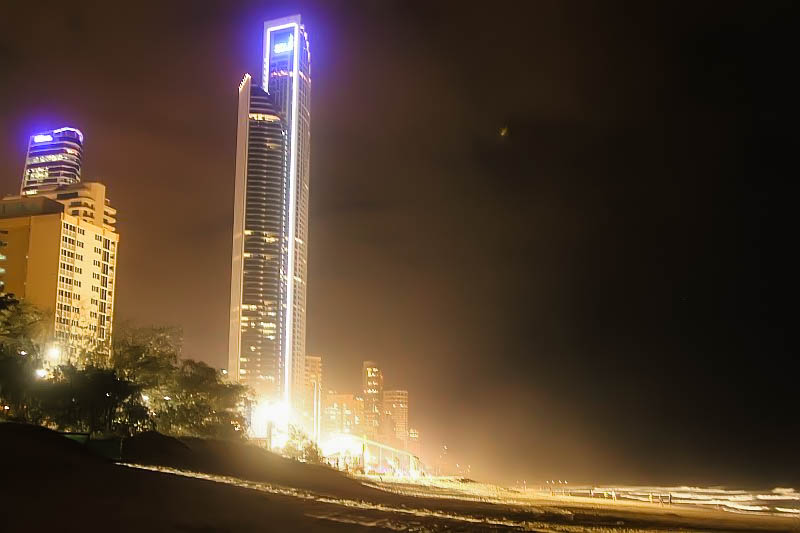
{"x": 282, "y": 48}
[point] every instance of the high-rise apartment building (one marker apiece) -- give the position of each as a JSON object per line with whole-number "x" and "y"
{"x": 54, "y": 159}
{"x": 269, "y": 355}
{"x": 62, "y": 264}
{"x": 372, "y": 381}
{"x": 259, "y": 264}
{"x": 395, "y": 405}
{"x": 61, "y": 251}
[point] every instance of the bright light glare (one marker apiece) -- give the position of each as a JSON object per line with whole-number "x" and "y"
{"x": 342, "y": 444}
{"x": 54, "y": 352}
{"x": 41, "y": 372}
{"x": 275, "y": 412}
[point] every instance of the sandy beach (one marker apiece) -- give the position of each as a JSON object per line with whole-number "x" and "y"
{"x": 52, "y": 484}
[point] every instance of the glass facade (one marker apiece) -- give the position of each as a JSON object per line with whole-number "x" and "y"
{"x": 54, "y": 159}
{"x": 260, "y": 259}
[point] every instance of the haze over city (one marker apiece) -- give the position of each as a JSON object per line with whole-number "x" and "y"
{"x": 562, "y": 227}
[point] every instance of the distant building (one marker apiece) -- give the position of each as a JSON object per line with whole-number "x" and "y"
{"x": 312, "y": 408}
{"x": 414, "y": 442}
{"x": 395, "y": 405}
{"x": 372, "y": 381}
{"x": 54, "y": 159}
{"x": 342, "y": 413}
{"x": 63, "y": 264}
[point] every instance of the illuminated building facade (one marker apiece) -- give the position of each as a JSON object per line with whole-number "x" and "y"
{"x": 372, "y": 381}
{"x": 54, "y": 159}
{"x": 64, "y": 265}
{"x": 287, "y": 77}
{"x": 395, "y": 405}
{"x": 267, "y": 333}
{"x": 62, "y": 242}
{"x": 259, "y": 260}
{"x": 342, "y": 413}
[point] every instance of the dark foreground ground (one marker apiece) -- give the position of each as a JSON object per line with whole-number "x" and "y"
{"x": 48, "y": 483}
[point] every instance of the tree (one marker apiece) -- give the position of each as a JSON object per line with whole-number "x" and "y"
{"x": 301, "y": 448}
{"x": 20, "y": 326}
{"x": 200, "y": 404}
{"x": 140, "y": 384}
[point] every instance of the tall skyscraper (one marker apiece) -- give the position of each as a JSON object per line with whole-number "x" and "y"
{"x": 372, "y": 381}
{"x": 268, "y": 285}
{"x": 287, "y": 77}
{"x": 54, "y": 159}
{"x": 259, "y": 265}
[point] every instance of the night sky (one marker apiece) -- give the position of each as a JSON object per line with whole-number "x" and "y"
{"x": 605, "y": 293}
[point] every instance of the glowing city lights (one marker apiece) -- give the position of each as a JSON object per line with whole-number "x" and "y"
{"x": 41, "y": 373}
{"x": 42, "y": 138}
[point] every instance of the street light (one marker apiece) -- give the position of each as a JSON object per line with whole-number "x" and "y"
{"x": 41, "y": 373}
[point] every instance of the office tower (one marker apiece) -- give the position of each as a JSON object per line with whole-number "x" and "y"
{"x": 312, "y": 405}
{"x": 372, "y": 381}
{"x": 54, "y": 159}
{"x": 62, "y": 264}
{"x": 287, "y": 78}
{"x": 259, "y": 262}
{"x": 395, "y": 405}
